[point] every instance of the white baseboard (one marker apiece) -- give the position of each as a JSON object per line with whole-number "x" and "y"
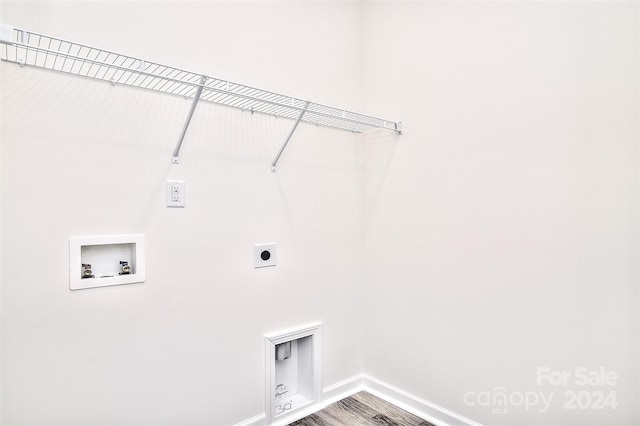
{"x": 342, "y": 389}
{"x": 259, "y": 420}
{"x": 330, "y": 394}
{"x": 427, "y": 410}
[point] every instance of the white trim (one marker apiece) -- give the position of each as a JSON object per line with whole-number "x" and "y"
{"x": 429, "y": 411}
{"x": 313, "y": 330}
{"x": 76, "y": 282}
{"x": 422, "y": 408}
{"x": 342, "y": 389}
{"x": 330, "y": 394}
{"x": 297, "y": 415}
{"x": 293, "y": 333}
{"x": 259, "y": 420}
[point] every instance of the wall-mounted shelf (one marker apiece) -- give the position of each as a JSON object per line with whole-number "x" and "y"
{"x": 33, "y": 49}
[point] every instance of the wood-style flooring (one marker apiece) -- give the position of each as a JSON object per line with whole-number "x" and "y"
{"x": 361, "y": 409}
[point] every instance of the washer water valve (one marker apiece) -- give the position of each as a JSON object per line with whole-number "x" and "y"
{"x": 126, "y": 269}
{"x": 86, "y": 271}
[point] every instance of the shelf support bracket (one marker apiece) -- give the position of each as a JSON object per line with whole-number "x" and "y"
{"x": 176, "y": 153}
{"x": 284, "y": 145}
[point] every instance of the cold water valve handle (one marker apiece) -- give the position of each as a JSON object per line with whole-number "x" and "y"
{"x": 126, "y": 269}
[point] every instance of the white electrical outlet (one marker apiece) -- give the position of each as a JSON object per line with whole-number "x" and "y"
{"x": 264, "y": 255}
{"x": 175, "y": 193}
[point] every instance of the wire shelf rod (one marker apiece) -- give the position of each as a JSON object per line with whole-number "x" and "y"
{"x": 56, "y": 54}
{"x": 119, "y": 67}
{"x": 176, "y": 152}
{"x": 295, "y": 126}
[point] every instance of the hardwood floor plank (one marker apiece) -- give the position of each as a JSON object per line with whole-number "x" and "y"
{"x": 355, "y": 407}
{"x": 396, "y": 414}
{"x": 310, "y": 420}
{"x": 346, "y": 412}
{"x": 362, "y": 409}
{"x": 381, "y": 419}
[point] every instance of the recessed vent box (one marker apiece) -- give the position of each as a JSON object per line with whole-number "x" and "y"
{"x": 294, "y": 372}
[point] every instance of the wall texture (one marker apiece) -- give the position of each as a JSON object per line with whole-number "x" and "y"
{"x": 83, "y": 158}
{"x": 502, "y": 229}
{"x": 499, "y": 235}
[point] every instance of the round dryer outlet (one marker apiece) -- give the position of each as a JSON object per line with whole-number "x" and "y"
{"x": 264, "y": 255}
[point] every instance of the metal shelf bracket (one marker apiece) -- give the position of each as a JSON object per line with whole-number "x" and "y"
{"x": 286, "y": 141}
{"x": 176, "y": 153}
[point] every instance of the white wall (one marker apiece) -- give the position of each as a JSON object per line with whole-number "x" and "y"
{"x": 500, "y": 232}
{"x": 80, "y": 157}
{"x": 502, "y": 229}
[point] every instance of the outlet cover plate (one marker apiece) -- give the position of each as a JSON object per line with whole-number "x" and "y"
{"x": 175, "y": 193}
{"x": 264, "y": 255}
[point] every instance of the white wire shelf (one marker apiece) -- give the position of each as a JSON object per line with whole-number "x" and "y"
{"x": 38, "y": 50}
